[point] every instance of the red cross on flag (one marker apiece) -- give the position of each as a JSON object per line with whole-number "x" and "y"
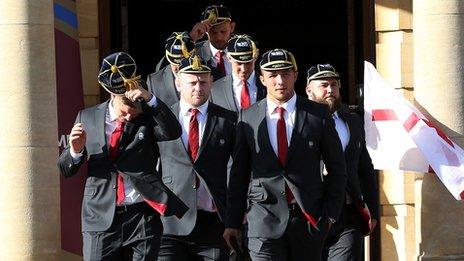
{"x": 398, "y": 136}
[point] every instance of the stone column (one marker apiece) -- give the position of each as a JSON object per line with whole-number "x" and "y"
{"x": 439, "y": 92}
{"x": 393, "y": 25}
{"x": 29, "y": 192}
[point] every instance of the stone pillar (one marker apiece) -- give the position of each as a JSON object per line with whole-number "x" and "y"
{"x": 393, "y": 25}
{"x": 29, "y": 211}
{"x": 439, "y": 92}
{"x": 87, "y": 15}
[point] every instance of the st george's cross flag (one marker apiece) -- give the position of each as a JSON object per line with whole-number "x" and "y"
{"x": 399, "y": 136}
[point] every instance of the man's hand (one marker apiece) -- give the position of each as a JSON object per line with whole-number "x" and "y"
{"x": 77, "y": 138}
{"x": 137, "y": 91}
{"x": 233, "y": 238}
{"x": 199, "y": 30}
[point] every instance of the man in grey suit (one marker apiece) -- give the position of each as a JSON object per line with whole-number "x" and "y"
{"x": 217, "y": 23}
{"x": 241, "y": 88}
{"x": 195, "y": 168}
{"x": 178, "y": 46}
{"x": 361, "y": 209}
{"x": 280, "y": 141}
{"x": 118, "y": 140}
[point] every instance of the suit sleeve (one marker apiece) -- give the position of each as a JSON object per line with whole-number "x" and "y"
{"x": 334, "y": 160}
{"x": 239, "y": 178}
{"x": 166, "y": 125}
{"x": 368, "y": 182}
{"x": 65, "y": 162}
{"x": 150, "y": 86}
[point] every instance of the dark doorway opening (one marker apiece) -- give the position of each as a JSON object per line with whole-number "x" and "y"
{"x": 329, "y": 31}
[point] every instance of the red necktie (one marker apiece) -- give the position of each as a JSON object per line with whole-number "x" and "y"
{"x": 194, "y": 139}
{"x": 282, "y": 147}
{"x": 194, "y": 135}
{"x": 245, "y": 96}
{"x": 114, "y": 152}
{"x": 220, "y": 62}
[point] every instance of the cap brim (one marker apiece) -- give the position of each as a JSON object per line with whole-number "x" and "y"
{"x": 189, "y": 70}
{"x": 220, "y": 20}
{"x": 323, "y": 75}
{"x": 173, "y": 60}
{"x": 242, "y": 58}
{"x": 274, "y": 66}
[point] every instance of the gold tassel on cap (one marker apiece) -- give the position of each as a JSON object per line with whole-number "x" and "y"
{"x": 131, "y": 83}
{"x": 196, "y": 64}
{"x": 212, "y": 16}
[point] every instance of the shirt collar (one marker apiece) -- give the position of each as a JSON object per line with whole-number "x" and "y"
{"x": 289, "y": 105}
{"x": 214, "y": 50}
{"x": 111, "y": 111}
{"x": 236, "y": 81}
{"x": 185, "y": 107}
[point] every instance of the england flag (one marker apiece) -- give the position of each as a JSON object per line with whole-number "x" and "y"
{"x": 398, "y": 136}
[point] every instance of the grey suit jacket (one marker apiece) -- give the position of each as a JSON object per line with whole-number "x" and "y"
{"x": 204, "y": 52}
{"x": 210, "y": 167}
{"x": 223, "y": 95}
{"x": 136, "y": 162}
{"x": 313, "y": 137}
{"x": 162, "y": 84}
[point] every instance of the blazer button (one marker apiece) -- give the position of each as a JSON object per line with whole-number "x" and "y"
{"x": 70, "y": 165}
{"x": 114, "y": 186}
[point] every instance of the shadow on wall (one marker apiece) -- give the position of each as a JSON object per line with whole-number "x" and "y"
{"x": 404, "y": 5}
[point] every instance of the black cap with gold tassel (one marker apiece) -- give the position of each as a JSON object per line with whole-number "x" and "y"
{"x": 193, "y": 64}
{"x": 242, "y": 48}
{"x": 118, "y": 73}
{"x": 179, "y": 45}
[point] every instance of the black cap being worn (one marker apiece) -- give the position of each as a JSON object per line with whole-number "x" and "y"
{"x": 277, "y": 59}
{"x": 242, "y": 48}
{"x": 179, "y": 45}
{"x": 216, "y": 14}
{"x": 321, "y": 71}
{"x": 116, "y": 70}
{"x": 193, "y": 64}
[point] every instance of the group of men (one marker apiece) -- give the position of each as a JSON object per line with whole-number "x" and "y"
{"x": 215, "y": 159}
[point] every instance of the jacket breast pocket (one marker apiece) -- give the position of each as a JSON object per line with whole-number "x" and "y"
{"x": 90, "y": 191}
{"x": 257, "y": 192}
{"x": 167, "y": 179}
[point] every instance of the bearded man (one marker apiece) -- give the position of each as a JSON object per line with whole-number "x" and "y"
{"x": 361, "y": 209}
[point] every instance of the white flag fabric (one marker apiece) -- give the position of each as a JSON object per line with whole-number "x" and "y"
{"x": 398, "y": 136}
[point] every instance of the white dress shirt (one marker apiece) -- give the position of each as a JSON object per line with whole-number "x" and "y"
{"x": 132, "y": 195}
{"x": 272, "y": 116}
{"x": 204, "y": 198}
{"x": 344, "y": 135}
{"x": 227, "y": 64}
{"x": 342, "y": 130}
{"x": 238, "y": 86}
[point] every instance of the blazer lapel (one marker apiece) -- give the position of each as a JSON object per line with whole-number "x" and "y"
{"x": 229, "y": 93}
{"x": 128, "y": 129}
{"x": 175, "y": 109}
{"x": 344, "y": 115}
{"x": 169, "y": 77}
{"x": 99, "y": 123}
{"x": 300, "y": 119}
{"x": 209, "y": 127}
{"x": 263, "y": 133}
